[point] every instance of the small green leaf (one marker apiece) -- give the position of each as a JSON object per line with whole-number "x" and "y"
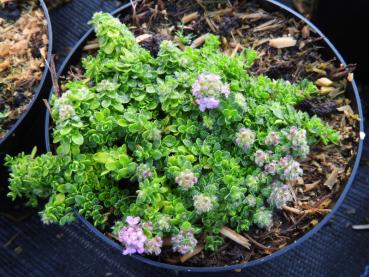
{"x": 101, "y": 157}
{"x": 77, "y": 138}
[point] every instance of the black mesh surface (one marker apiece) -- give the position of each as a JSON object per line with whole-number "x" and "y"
{"x": 29, "y": 248}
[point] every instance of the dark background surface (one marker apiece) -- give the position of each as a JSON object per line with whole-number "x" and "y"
{"x": 29, "y": 248}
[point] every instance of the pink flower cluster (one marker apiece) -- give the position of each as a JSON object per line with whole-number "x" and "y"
{"x": 184, "y": 242}
{"x": 132, "y": 236}
{"x": 272, "y": 138}
{"x": 271, "y": 168}
{"x": 186, "y": 179}
{"x": 280, "y": 195}
{"x": 291, "y": 169}
{"x": 208, "y": 89}
{"x": 134, "y": 239}
{"x": 261, "y": 157}
{"x": 298, "y": 140}
{"x": 153, "y": 246}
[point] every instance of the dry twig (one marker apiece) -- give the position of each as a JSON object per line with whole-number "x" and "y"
{"x": 229, "y": 233}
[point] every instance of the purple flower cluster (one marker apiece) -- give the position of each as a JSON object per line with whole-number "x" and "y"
{"x": 290, "y": 169}
{"x": 186, "y": 179}
{"x": 298, "y": 140}
{"x": 280, "y": 195}
{"x": 184, "y": 242}
{"x": 153, "y": 246}
{"x": 202, "y": 203}
{"x": 208, "y": 89}
{"x": 245, "y": 138}
{"x": 261, "y": 157}
{"x": 143, "y": 172}
{"x": 132, "y": 236}
{"x": 271, "y": 168}
{"x": 272, "y": 138}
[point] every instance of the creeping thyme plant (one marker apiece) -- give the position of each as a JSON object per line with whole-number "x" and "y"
{"x": 175, "y": 146}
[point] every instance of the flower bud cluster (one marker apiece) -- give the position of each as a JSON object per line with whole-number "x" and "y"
{"x": 289, "y": 168}
{"x": 297, "y": 138}
{"x": 186, "y": 179}
{"x": 184, "y": 242}
{"x": 245, "y": 138}
{"x": 202, "y": 203}
{"x": 208, "y": 89}
{"x": 280, "y": 195}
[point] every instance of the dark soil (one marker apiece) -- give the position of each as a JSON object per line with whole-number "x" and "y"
{"x": 153, "y": 44}
{"x": 23, "y": 48}
{"x": 10, "y": 11}
{"x": 245, "y": 24}
{"x": 318, "y": 106}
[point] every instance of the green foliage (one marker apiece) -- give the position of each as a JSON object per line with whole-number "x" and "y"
{"x": 140, "y": 118}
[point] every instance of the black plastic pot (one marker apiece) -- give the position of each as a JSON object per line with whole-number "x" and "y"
{"x": 27, "y": 131}
{"x": 75, "y": 56}
{"x": 20, "y": 136}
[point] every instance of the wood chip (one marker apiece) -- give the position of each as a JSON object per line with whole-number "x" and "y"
{"x": 350, "y": 77}
{"x": 326, "y": 90}
{"x": 332, "y": 179}
{"x": 314, "y": 211}
{"x": 305, "y": 32}
{"x": 92, "y": 46}
{"x": 220, "y": 12}
{"x": 282, "y": 42}
{"x": 325, "y": 204}
{"x": 199, "y": 41}
{"x": 292, "y": 210}
{"x": 190, "y": 17}
{"x": 260, "y": 42}
{"x": 268, "y": 26}
{"x": 254, "y": 16}
{"x": 143, "y": 37}
{"x": 323, "y": 82}
{"x": 229, "y": 233}
{"x": 235, "y": 50}
{"x": 311, "y": 186}
{"x": 4, "y": 65}
{"x": 345, "y": 108}
{"x": 189, "y": 255}
{"x": 211, "y": 25}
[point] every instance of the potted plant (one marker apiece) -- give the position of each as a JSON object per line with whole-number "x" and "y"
{"x": 196, "y": 157}
{"x": 25, "y": 45}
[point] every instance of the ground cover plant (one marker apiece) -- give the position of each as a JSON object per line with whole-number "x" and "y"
{"x": 23, "y": 48}
{"x": 295, "y": 205}
{"x": 175, "y": 146}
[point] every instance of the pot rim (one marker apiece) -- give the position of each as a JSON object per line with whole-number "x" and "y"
{"x": 276, "y": 254}
{"x": 38, "y": 89}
